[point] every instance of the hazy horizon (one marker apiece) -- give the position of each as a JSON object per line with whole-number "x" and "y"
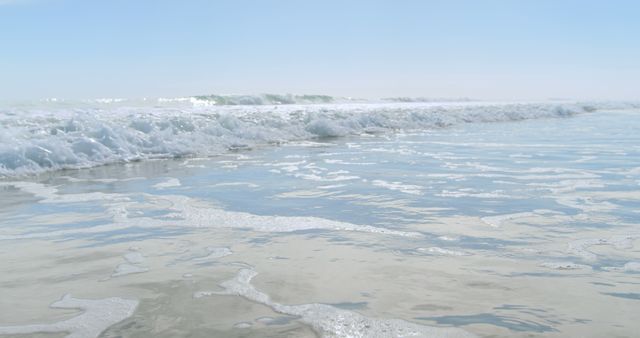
{"x": 493, "y": 50}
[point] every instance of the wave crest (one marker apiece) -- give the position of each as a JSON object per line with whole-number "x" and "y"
{"x": 34, "y": 140}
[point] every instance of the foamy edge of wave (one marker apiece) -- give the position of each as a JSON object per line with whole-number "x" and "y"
{"x": 98, "y": 315}
{"x": 185, "y": 212}
{"x": 330, "y": 321}
{"x": 33, "y": 141}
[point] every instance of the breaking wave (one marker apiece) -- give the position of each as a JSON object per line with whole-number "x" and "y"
{"x": 35, "y": 139}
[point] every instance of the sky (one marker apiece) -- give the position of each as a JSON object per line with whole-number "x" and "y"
{"x": 495, "y": 50}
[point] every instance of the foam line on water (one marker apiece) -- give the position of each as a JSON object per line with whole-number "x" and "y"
{"x": 186, "y": 212}
{"x": 133, "y": 265}
{"x": 497, "y": 220}
{"x": 434, "y": 250}
{"x": 168, "y": 183}
{"x": 49, "y": 194}
{"x": 565, "y": 266}
{"x": 97, "y": 316}
{"x": 128, "y": 269}
{"x": 399, "y": 186}
{"x": 331, "y": 321}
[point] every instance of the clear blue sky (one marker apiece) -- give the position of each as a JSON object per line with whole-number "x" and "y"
{"x": 480, "y": 49}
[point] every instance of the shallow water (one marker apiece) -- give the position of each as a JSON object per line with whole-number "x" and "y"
{"x": 526, "y": 228}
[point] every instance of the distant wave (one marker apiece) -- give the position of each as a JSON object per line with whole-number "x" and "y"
{"x": 266, "y": 99}
{"x": 189, "y": 101}
{"x": 36, "y": 139}
{"x": 426, "y": 99}
{"x": 216, "y": 100}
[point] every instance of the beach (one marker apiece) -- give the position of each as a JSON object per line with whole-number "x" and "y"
{"x": 304, "y": 219}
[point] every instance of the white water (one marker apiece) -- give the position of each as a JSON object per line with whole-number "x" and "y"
{"x": 332, "y": 321}
{"x": 97, "y": 316}
{"x": 39, "y": 138}
{"x": 502, "y": 229}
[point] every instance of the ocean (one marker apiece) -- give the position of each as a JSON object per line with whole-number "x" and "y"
{"x": 305, "y": 216}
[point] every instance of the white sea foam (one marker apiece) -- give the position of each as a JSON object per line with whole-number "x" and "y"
{"x": 565, "y": 266}
{"x": 331, "y": 186}
{"x": 135, "y": 258}
{"x": 399, "y": 186}
{"x": 169, "y": 183}
{"x": 290, "y": 168}
{"x": 496, "y": 221}
{"x": 566, "y": 186}
{"x": 328, "y": 178}
{"x": 98, "y": 315}
{"x": 242, "y": 325}
{"x": 469, "y": 192}
{"x": 37, "y": 139}
{"x": 49, "y": 194}
{"x": 128, "y": 269}
{"x": 453, "y": 177}
{"x": 336, "y": 161}
{"x": 331, "y": 321}
{"x": 442, "y": 251}
{"x": 189, "y": 212}
{"x": 133, "y": 265}
{"x": 448, "y": 238}
{"x": 235, "y": 184}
